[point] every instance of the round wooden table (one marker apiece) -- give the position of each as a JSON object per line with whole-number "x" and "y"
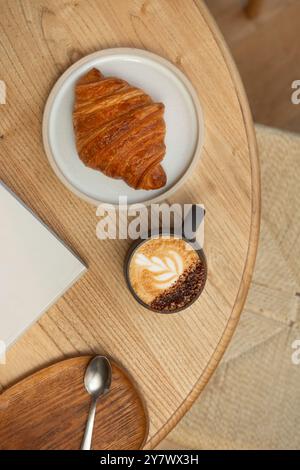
{"x": 171, "y": 357}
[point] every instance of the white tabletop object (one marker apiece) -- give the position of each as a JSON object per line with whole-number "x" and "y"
{"x": 36, "y": 268}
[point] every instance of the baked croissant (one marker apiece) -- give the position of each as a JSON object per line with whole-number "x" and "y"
{"x": 119, "y": 130}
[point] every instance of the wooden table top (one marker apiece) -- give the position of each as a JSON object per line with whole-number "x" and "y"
{"x": 171, "y": 357}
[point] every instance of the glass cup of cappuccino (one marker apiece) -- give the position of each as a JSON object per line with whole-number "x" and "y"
{"x": 166, "y": 272}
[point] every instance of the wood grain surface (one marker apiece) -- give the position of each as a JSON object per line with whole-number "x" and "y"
{"x": 170, "y": 357}
{"x": 49, "y": 410}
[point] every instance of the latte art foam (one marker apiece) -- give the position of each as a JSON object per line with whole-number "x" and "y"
{"x": 170, "y": 267}
{"x": 164, "y": 273}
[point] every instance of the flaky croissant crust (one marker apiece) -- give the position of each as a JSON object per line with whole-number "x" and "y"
{"x": 119, "y": 130}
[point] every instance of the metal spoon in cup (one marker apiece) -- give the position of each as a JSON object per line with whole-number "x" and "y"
{"x": 97, "y": 382}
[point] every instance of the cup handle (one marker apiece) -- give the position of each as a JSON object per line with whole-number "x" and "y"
{"x": 192, "y": 222}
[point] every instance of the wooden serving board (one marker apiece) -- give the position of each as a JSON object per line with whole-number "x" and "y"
{"x": 49, "y": 409}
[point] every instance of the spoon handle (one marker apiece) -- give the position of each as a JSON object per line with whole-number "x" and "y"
{"x": 87, "y": 438}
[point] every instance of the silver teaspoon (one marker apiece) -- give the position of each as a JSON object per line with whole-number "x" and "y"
{"x": 97, "y": 381}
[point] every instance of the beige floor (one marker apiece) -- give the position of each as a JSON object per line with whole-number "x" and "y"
{"x": 267, "y": 53}
{"x": 253, "y": 399}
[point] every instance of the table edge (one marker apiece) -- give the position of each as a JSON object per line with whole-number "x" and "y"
{"x": 253, "y": 236}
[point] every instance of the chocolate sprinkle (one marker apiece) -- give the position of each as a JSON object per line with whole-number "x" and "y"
{"x": 184, "y": 291}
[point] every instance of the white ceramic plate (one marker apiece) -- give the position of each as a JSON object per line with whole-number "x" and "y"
{"x": 163, "y": 82}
